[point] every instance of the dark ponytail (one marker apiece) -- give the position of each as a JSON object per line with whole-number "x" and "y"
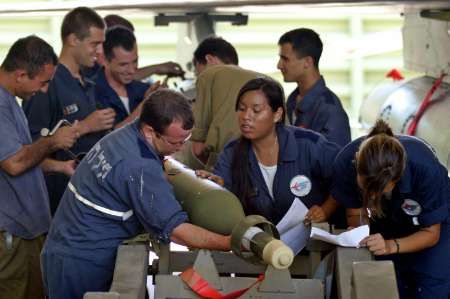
{"x": 241, "y": 184}
{"x": 381, "y": 160}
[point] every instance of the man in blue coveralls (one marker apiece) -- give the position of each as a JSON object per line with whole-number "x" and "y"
{"x": 115, "y": 86}
{"x": 71, "y": 95}
{"x": 118, "y": 191}
{"x": 312, "y": 105}
{"x": 24, "y": 209}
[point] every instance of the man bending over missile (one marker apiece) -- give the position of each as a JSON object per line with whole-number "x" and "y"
{"x": 118, "y": 191}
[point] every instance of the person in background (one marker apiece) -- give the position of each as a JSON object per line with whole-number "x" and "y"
{"x": 24, "y": 208}
{"x": 272, "y": 164}
{"x": 397, "y": 185}
{"x": 312, "y": 104}
{"x": 71, "y": 95}
{"x": 219, "y": 79}
{"x": 115, "y": 87}
{"x": 169, "y": 68}
{"x": 112, "y": 20}
{"x": 118, "y": 191}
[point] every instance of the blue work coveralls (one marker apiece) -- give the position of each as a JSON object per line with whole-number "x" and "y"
{"x": 422, "y": 274}
{"x": 108, "y": 97}
{"x": 117, "y": 192}
{"x": 320, "y": 110}
{"x": 68, "y": 99}
{"x": 302, "y": 153}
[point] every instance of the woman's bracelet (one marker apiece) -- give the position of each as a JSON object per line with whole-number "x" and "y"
{"x": 398, "y": 246}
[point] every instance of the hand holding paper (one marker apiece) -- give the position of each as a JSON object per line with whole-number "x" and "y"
{"x": 349, "y": 238}
{"x": 292, "y": 230}
{"x": 315, "y": 214}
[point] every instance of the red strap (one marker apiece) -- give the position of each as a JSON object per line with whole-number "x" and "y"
{"x": 202, "y": 287}
{"x": 424, "y": 105}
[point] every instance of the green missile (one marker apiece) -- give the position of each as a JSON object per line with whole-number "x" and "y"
{"x": 216, "y": 209}
{"x": 207, "y": 204}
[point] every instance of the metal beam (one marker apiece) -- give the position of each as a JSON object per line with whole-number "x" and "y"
{"x": 163, "y": 19}
{"x": 436, "y": 14}
{"x": 204, "y": 5}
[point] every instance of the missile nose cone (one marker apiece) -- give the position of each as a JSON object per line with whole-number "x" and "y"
{"x": 285, "y": 261}
{"x": 278, "y": 254}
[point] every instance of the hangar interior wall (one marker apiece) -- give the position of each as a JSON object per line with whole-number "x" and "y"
{"x": 360, "y": 46}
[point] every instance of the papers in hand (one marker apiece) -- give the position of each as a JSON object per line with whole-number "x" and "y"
{"x": 349, "y": 238}
{"x": 291, "y": 228}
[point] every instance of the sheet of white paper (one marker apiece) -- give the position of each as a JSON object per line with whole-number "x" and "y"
{"x": 293, "y": 216}
{"x": 291, "y": 228}
{"x": 349, "y": 238}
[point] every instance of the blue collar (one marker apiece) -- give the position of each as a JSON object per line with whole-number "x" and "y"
{"x": 135, "y": 92}
{"x": 101, "y": 78}
{"x": 63, "y": 72}
{"x": 108, "y": 96}
{"x": 7, "y": 94}
{"x": 310, "y": 98}
{"x": 147, "y": 151}
{"x": 287, "y": 142}
{"x": 103, "y": 83}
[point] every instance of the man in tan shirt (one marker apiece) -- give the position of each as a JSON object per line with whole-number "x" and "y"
{"x": 214, "y": 109}
{"x": 218, "y": 83}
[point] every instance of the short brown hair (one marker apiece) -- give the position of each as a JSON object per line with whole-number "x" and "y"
{"x": 30, "y": 53}
{"x": 78, "y": 21}
{"x": 216, "y": 46}
{"x": 115, "y": 20}
{"x": 305, "y": 42}
{"x": 165, "y": 106}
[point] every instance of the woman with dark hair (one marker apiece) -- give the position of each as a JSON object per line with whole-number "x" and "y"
{"x": 272, "y": 164}
{"x": 397, "y": 185}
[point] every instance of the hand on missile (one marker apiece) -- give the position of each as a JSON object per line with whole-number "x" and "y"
{"x": 315, "y": 214}
{"x": 212, "y": 177}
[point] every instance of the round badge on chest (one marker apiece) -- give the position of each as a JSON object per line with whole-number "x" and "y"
{"x": 300, "y": 185}
{"x": 411, "y": 207}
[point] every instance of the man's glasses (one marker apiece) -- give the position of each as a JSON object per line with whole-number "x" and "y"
{"x": 179, "y": 143}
